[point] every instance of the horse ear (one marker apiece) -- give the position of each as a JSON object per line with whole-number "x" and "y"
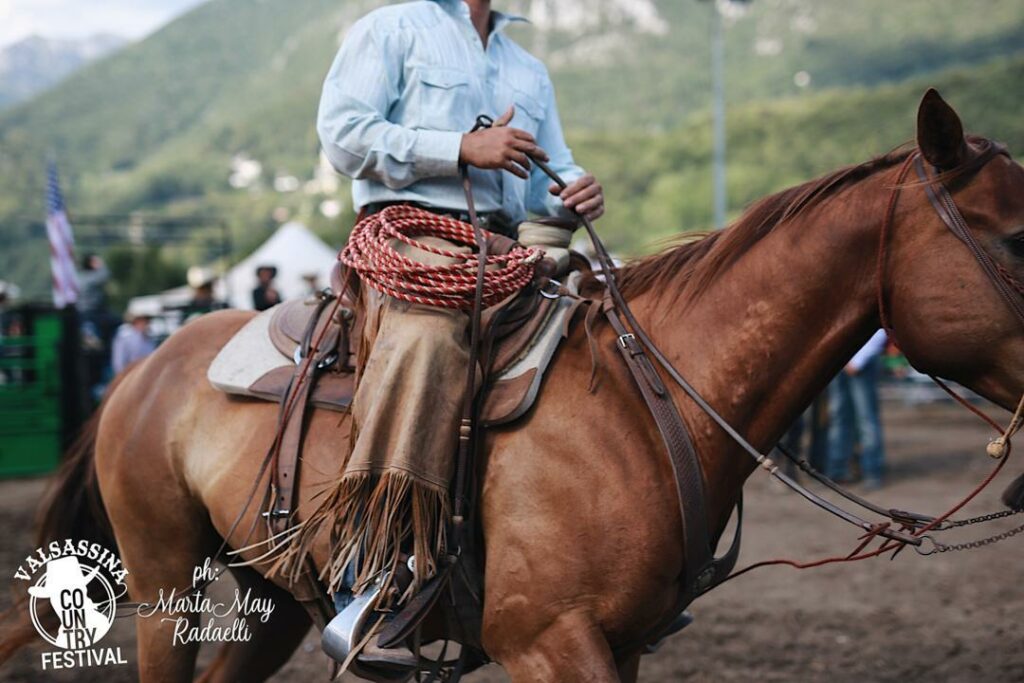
{"x": 940, "y": 135}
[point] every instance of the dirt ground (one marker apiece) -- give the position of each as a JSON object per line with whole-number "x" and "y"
{"x": 950, "y": 617}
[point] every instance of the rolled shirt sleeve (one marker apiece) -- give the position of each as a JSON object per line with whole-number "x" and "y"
{"x": 356, "y": 136}
{"x": 874, "y": 347}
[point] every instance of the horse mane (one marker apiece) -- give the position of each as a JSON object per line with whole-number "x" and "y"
{"x": 691, "y": 267}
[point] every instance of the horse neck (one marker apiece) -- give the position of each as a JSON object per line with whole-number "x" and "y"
{"x": 771, "y": 330}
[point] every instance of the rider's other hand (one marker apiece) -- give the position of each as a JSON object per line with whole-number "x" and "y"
{"x": 501, "y": 147}
{"x": 584, "y": 195}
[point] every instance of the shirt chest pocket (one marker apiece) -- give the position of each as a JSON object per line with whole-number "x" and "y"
{"x": 443, "y": 99}
{"x": 529, "y": 111}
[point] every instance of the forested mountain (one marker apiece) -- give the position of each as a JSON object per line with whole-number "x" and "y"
{"x": 33, "y": 64}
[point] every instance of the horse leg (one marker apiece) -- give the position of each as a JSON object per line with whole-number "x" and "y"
{"x": 571, "y": 648}
{"x": 629, "y": 669}
{"x": 271, "y": 644}
{"x": 163, "y": 534}
{"x": 155, "y": 566}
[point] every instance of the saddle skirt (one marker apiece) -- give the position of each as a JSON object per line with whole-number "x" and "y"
{"x": 260, "y": 359}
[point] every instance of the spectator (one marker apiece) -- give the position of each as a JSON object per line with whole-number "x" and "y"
{"x": 97, "y": 324}
{"x": 312, "y": 281}
{"x": 265, "y": 295}
{"x": 92, "y": 282}
{"x": 132, "y": 342}
{"x": 202, "y": 280}
{"x": 854, "y": 416}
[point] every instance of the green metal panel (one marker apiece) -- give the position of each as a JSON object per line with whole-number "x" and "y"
{"x": 30, "y": 392}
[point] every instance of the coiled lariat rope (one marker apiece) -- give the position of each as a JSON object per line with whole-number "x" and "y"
{"x": 372, "y": 253}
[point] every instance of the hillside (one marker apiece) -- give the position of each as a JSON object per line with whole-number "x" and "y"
{"x": 34, "y": 64}
{"x": 157, "y": 126}
{"x": 661, "y": 181}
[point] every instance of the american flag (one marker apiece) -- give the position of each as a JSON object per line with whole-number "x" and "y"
{"x": 62, "y": 243}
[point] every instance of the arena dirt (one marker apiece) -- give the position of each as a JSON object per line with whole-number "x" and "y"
{"x": 952, "y": 617}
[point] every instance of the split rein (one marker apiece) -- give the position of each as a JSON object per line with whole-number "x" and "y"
{"x": 921, "y": 528}
{"x": 911, "y": 528}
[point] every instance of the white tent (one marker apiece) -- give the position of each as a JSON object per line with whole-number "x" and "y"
{"x": 294, "y": 251}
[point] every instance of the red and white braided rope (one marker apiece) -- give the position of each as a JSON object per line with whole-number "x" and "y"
{"x": 371, "y": 253}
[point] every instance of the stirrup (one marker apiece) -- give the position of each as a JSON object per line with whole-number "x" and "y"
{"x": 345, "y": 632}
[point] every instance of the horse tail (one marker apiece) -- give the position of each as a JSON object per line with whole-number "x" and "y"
{"x": 71, "y": 508}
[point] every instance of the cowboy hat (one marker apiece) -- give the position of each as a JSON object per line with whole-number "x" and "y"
{"x": 61, "y": 574}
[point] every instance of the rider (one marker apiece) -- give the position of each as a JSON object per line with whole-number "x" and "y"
{"x": 404, "y": 89}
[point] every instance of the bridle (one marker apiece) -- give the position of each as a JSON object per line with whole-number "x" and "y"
{"x": 921, "y": 528}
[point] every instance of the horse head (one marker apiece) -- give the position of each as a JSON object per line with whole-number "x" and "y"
{"x": 943, "y": 303}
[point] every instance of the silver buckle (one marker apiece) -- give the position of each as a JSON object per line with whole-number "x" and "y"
{"x": 552, "y": 294}
{"x": 624, "y": 339}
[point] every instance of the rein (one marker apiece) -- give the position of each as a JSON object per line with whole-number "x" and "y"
{"x": 916, "y": 524}
{"x": 912, "y": 527}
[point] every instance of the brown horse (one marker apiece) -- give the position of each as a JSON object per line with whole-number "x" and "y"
{"x": 581, "y": 526}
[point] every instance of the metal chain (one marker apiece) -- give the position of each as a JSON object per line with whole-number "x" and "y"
{"x": 980, "y": 543}
{"x": 983, "y": 518}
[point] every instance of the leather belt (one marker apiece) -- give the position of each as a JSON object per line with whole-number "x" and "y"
{"x": 492, "y": 221}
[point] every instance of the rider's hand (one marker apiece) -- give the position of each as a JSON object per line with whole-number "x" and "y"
{"x": 501, "y": 147}
{"x": 583, "y": 195}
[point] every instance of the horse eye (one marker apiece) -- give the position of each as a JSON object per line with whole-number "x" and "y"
{"x": 1016, "y": 244}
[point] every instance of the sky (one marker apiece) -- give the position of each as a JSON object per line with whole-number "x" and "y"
{"x": 80, "y": 18}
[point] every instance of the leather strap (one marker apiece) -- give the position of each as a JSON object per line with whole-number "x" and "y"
{"x": 681, "y": 453}
{"x": 945, "y": 207}
{"x": 702, "y": 571}
{"x": 293, "y": 417}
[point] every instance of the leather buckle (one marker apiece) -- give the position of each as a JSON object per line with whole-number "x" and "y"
{"x": 327, "y": 362}
{"x": 629, "y": 343}
{"x": 551, "y": 289}
{"x": 276, "y": 514}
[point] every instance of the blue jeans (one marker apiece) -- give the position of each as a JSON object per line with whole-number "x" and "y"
{"x": 854, "y": 418}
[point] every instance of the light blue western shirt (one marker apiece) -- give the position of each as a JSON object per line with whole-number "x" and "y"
{"x": 406, "y": 84}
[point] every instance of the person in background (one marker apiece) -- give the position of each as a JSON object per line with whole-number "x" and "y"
{"x": 96, "y": 323}
{"x": 854, "y": 416}
{"x": 265, "y": 295}
{"x": 202, "y": 281}
{"x": 132, "y": 342}
{"x": 92, "y": 295}
{"x": 5, "y": 301}
{"x": 312, "y": 281}
{"x": 14, "y": 350}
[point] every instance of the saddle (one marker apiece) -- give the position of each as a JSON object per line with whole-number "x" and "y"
{"x": 522, "y": 335}
{"x": 302, "y": 354}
